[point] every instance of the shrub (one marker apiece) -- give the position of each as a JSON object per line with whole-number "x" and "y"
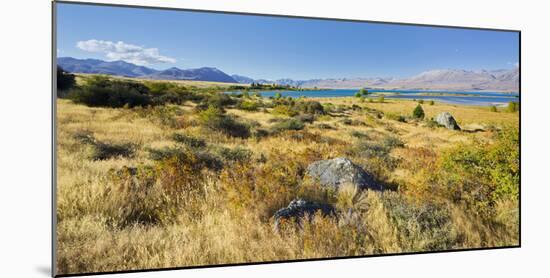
{"x": 395, "y": 117}
{"x": 359, "y": 135}
{"x": 358, "y": 95}
{"x": 305, "y": 118}
{"x": 493, "y": 108}
{"x": 101, "y": 91}
{"x": 65, "y": 80}
{"x": 481, "y": 174}
{"x": 310, "y": 107}
{"x": 512, "y": 107}
{"x": 248, "y": 105}
{"x": 381, "y": 99}
{"x": 237, "y": 154}
{"x": 215, "y": 119}
{"x": 288, "y": 124}
{"x": 421, "y": 101}
{"x": 418, "y": 112}
{"x": 431, "y": 102}
{"x": 189, "y": 141}
{"x": 284, "y": 110}
{"x": 277, "y": 95}
{"x": 103, "y": 151}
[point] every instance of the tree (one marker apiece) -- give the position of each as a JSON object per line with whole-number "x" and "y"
{"x": 358, "y": 94}
{"x": 65, "y": 80}
{"x": 418, "y": 112}
{"x": 364, "y": 92}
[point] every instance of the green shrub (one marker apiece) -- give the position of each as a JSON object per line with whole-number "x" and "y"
{"x": 359, "y": 134}
{"x": 480, "y": 173}
{"x": 395, "y": 117}
{"x": 101, "y": 91}
{"x": 248, "y": 105}
{"x": 493, "y": 108}
{"x": 512, "y": 107}
{"x": 237, "y": 154}
{"x": 358, "y": 95}
{"x": 305, "y": 118}
{"x": 421, "y": 101}
{"x": 310, "y": 107}
{"x": 431, "y": 102}
{"x": 418, "y": 112}
{"x": 381, "y": 99}
{"x": 215, "y": 119}
{"x": 288, "y": 124}
{"x": 189, "y": 141}
{"x": 103, "y": 151}
{"x": 65, "y": 80}
{"x": 284, "y": 110}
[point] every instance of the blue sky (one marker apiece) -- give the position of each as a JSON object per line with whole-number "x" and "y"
{"x": 275, "y": 47}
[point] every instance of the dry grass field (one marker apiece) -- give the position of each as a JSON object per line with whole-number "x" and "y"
{"x": 197, "y": 181}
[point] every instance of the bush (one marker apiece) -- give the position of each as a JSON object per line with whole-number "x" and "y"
{"x": 431, "y": 102}
{"x": 482, "y": 174}
{"x": 238, "y": 154}
{"x": 305, "y": 118}
{"x": 215, "y": 119}
{"x": 100, "y": 91}
{"x": 310, "y": 107}
{"x": 288, "y": 124}
{"x": 189, "y": 141}
{"x": 421, "y": 101}
{"x": 358, "y": 95}
{"x": 512, "y": 107}
{"x": 103, "y": 150}
{"x": 65, "y": 80}
{"x": 284, "y": 110}
{"x": 248, "y": 105}
{"x": 395, "y": 117}
{"x": 493, "y": 108}
{"x": 381, "y": 99}
{"x": 418, "y": 112}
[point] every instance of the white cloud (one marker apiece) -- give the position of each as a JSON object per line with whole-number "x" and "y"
{"x": 516, "y": 64}
{"x": 126, "y": 52}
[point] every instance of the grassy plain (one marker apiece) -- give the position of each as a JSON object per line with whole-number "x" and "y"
{"x": 132, "y": 195}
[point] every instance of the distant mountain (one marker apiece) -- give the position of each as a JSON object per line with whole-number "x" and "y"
{"x": 242, "y": 79}
{"x": 452, "y": 79}
{"x": 200, "y": 74}
{"x": 121, "y": 68}
{"x": 103, "y": 67}
{"x": 441, "y": 79}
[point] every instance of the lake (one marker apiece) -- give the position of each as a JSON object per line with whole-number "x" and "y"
{"x": 451, "y": 97}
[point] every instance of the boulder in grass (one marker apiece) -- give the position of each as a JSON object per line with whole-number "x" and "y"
{"x": 300, "y": 209}
{"x": 339, "y": 171}
{"x": 447, "y": 120}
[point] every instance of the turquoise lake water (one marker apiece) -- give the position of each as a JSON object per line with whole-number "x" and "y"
{"x": 462, "y": 97}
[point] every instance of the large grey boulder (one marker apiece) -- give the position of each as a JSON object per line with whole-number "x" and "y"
{"x": 447, "y": 120}
{"x": 300, "y": 208}
{"x": 338, "y": 171}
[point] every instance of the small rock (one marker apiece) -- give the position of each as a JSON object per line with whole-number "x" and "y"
{"x": 298, "y": 208}
{"x": 447, "y": 120}
{"x": 336, "y": 172}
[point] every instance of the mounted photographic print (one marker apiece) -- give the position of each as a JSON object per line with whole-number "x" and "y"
{"x": 189, "y": 138}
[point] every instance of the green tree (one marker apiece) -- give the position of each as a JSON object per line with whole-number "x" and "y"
{"x": 418, "y": 112}
{"x": 358, "y": 94}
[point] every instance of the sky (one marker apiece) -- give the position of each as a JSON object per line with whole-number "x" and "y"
{"x": 275, "y": 47}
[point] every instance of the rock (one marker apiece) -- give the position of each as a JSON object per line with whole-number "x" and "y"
{"x": 336, "y": 172}
{"x": 446, "y": 119}
{"x": 298, "y": 208}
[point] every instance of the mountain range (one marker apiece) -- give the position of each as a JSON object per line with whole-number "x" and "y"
{"x": 441, "y": 79}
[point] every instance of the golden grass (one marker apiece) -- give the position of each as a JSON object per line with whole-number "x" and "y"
{"x": 214, "y": 227}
